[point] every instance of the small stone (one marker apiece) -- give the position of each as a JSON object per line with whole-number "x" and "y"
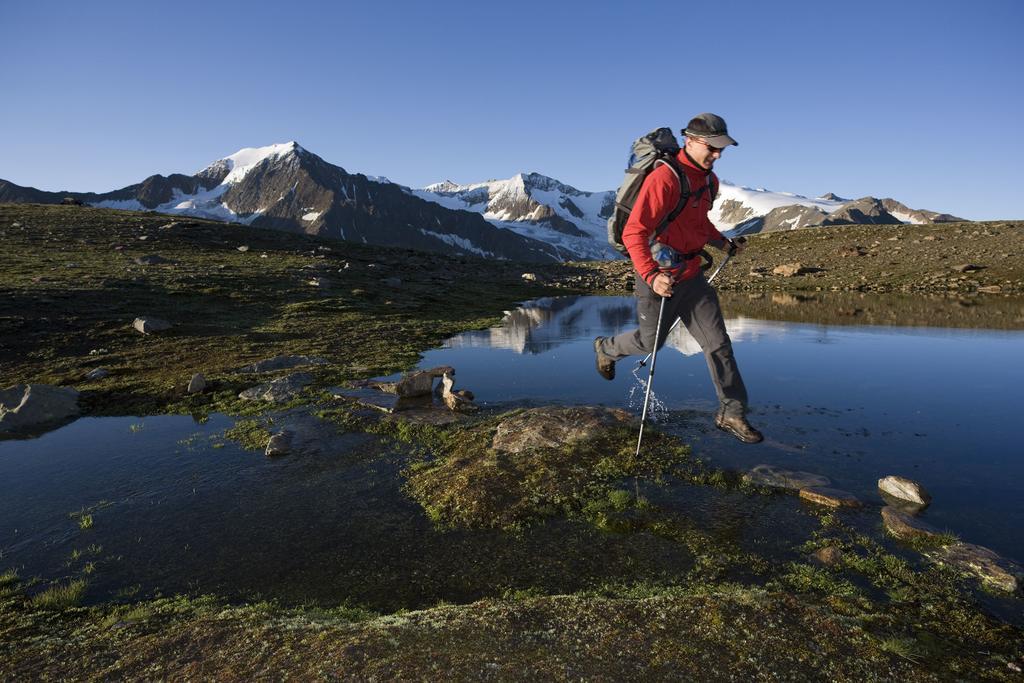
{"x": 788, "y": 270}
{"x": 830, "y": 497}
{"x": 990, "y": 289}
{"x": 197, "y": 384}
{"x": 829, "y": 556}
{"x": 904, "y": 526}
{"x": 279, "y": 444}
{"x": 244, "y": 248}
{"x": 148, "y": 325}
{"x": 530, "y": 277}
{"x": 904, "y": 489}
{"x": 967, "y": 268}
{"x": 151, "y": 260}
{"x": 98, "y": 373}
{"x": 317, "y": 282}
{"x": 143, "y": 237}
{"x": 774, "y": 477}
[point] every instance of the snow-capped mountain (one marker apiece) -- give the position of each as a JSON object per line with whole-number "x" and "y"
{"x": 744, "y": 210}
{"x": 285, "y": 187}
{"x": 529, "y": 217}
{"x": 538, "y": 207}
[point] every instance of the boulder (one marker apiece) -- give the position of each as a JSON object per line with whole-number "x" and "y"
{"x": 554, "y": 427}
{"x": 150, "y": 325}
{"x": 986, "y": 565}
{"x": 904, "y": 489}
{"x": 282, "y": 363}
{"x": 197, "y": 384}
{"x": 280, "y": 444}
{"x": 97, "y": 373}
{"x": 835, "y": 498}
{"x": 30, "y": 407}
{"x": 774, "y": 477}
{"x": 280, "y": 390}
{"x": 416, "y": 383}
{"x": 905, "y": 526}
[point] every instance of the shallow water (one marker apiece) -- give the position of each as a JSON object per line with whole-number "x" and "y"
{"x": 855, "y": 403}
{"x": 176, "y": 507}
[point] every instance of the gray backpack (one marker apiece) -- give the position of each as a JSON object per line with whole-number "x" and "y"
{"x": 657, "y": 147}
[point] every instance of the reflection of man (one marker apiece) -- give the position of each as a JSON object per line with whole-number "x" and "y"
{"x": 673, "y": 271}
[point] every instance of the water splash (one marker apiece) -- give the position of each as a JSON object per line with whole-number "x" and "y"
{"x": 657, "y": 409}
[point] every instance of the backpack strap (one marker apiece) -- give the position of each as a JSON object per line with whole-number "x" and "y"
{"x": 684, "y": 194}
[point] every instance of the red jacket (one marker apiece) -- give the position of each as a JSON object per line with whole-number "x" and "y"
{"x": 689, "y": 232}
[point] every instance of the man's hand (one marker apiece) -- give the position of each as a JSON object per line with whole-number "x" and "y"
{"x": 737, "y": 245}
{"x": 662, "y": 284}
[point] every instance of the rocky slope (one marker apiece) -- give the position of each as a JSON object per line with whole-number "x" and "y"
{"x": 285, "y": 187}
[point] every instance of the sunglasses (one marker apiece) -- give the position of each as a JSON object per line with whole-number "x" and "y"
{"x": 711, "y": 148}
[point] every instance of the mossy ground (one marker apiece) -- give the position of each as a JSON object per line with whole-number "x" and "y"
{"x": 69, "y": 297}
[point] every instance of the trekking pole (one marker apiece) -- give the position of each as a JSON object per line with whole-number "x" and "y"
{"x": 728, "y": 255}
{"x": 650, "y": 377}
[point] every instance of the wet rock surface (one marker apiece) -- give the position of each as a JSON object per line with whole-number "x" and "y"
{"x": 776, "y": 477}
{"x": 822, "y": 495}
{"x": 279, "y": 444}
{"x": 986, "y": 565}
{"x": 904, "y": 526}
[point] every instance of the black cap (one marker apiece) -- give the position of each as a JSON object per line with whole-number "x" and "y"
{"x": 711, "y": 129}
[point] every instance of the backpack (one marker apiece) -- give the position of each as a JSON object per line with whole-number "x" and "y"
{"x": 657, "y": 147}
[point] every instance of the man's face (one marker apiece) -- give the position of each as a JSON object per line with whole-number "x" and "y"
{"x": 704, "y": 154}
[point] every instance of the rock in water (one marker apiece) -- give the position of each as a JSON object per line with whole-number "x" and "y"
{"x": 830, "y": 497}
{"x": 984, "y": 564}
{"x": 904, "y": 489}
{"x": 197, "y": 384}
{"x": 30, "y": 407}
{"x": 149, "y": 325}
{"x": 904, "y": 526}
{"x": 279, "y": 444}
{"x": 455, "y": 401}
{"x": 767, "y": 475}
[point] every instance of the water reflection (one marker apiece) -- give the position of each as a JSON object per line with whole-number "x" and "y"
{"x": 833, "y": 395}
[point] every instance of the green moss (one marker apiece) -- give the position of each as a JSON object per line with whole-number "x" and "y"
{"x": 251, "y": 435}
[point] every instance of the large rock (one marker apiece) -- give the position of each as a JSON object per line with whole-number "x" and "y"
{"x": 25, "y": 408}
{"x": 830, "y": 497}
{"x": 774, "y": 477}
{"x": 904, "y": 489}
{"x": 416, "y": 383}
{"x": 458, "y": 400}
{"x": 150, "y": 325}
{"x": 984, "y": 564}
{"x": 554, "y": 427}
{"x": 905, "y": 526}
{"x": 280, "y": 390}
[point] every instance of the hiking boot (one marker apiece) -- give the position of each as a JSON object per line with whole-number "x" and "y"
{"x": 738, "y": 426}
{"x": 605, "y": 365}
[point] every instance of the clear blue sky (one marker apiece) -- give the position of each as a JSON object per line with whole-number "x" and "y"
{"x": 921, "y": 101}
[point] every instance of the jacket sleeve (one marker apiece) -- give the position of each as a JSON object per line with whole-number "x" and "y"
{"x": 658, "y": 195}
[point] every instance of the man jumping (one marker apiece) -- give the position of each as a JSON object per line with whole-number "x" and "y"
{"x": 669, "y": 266}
